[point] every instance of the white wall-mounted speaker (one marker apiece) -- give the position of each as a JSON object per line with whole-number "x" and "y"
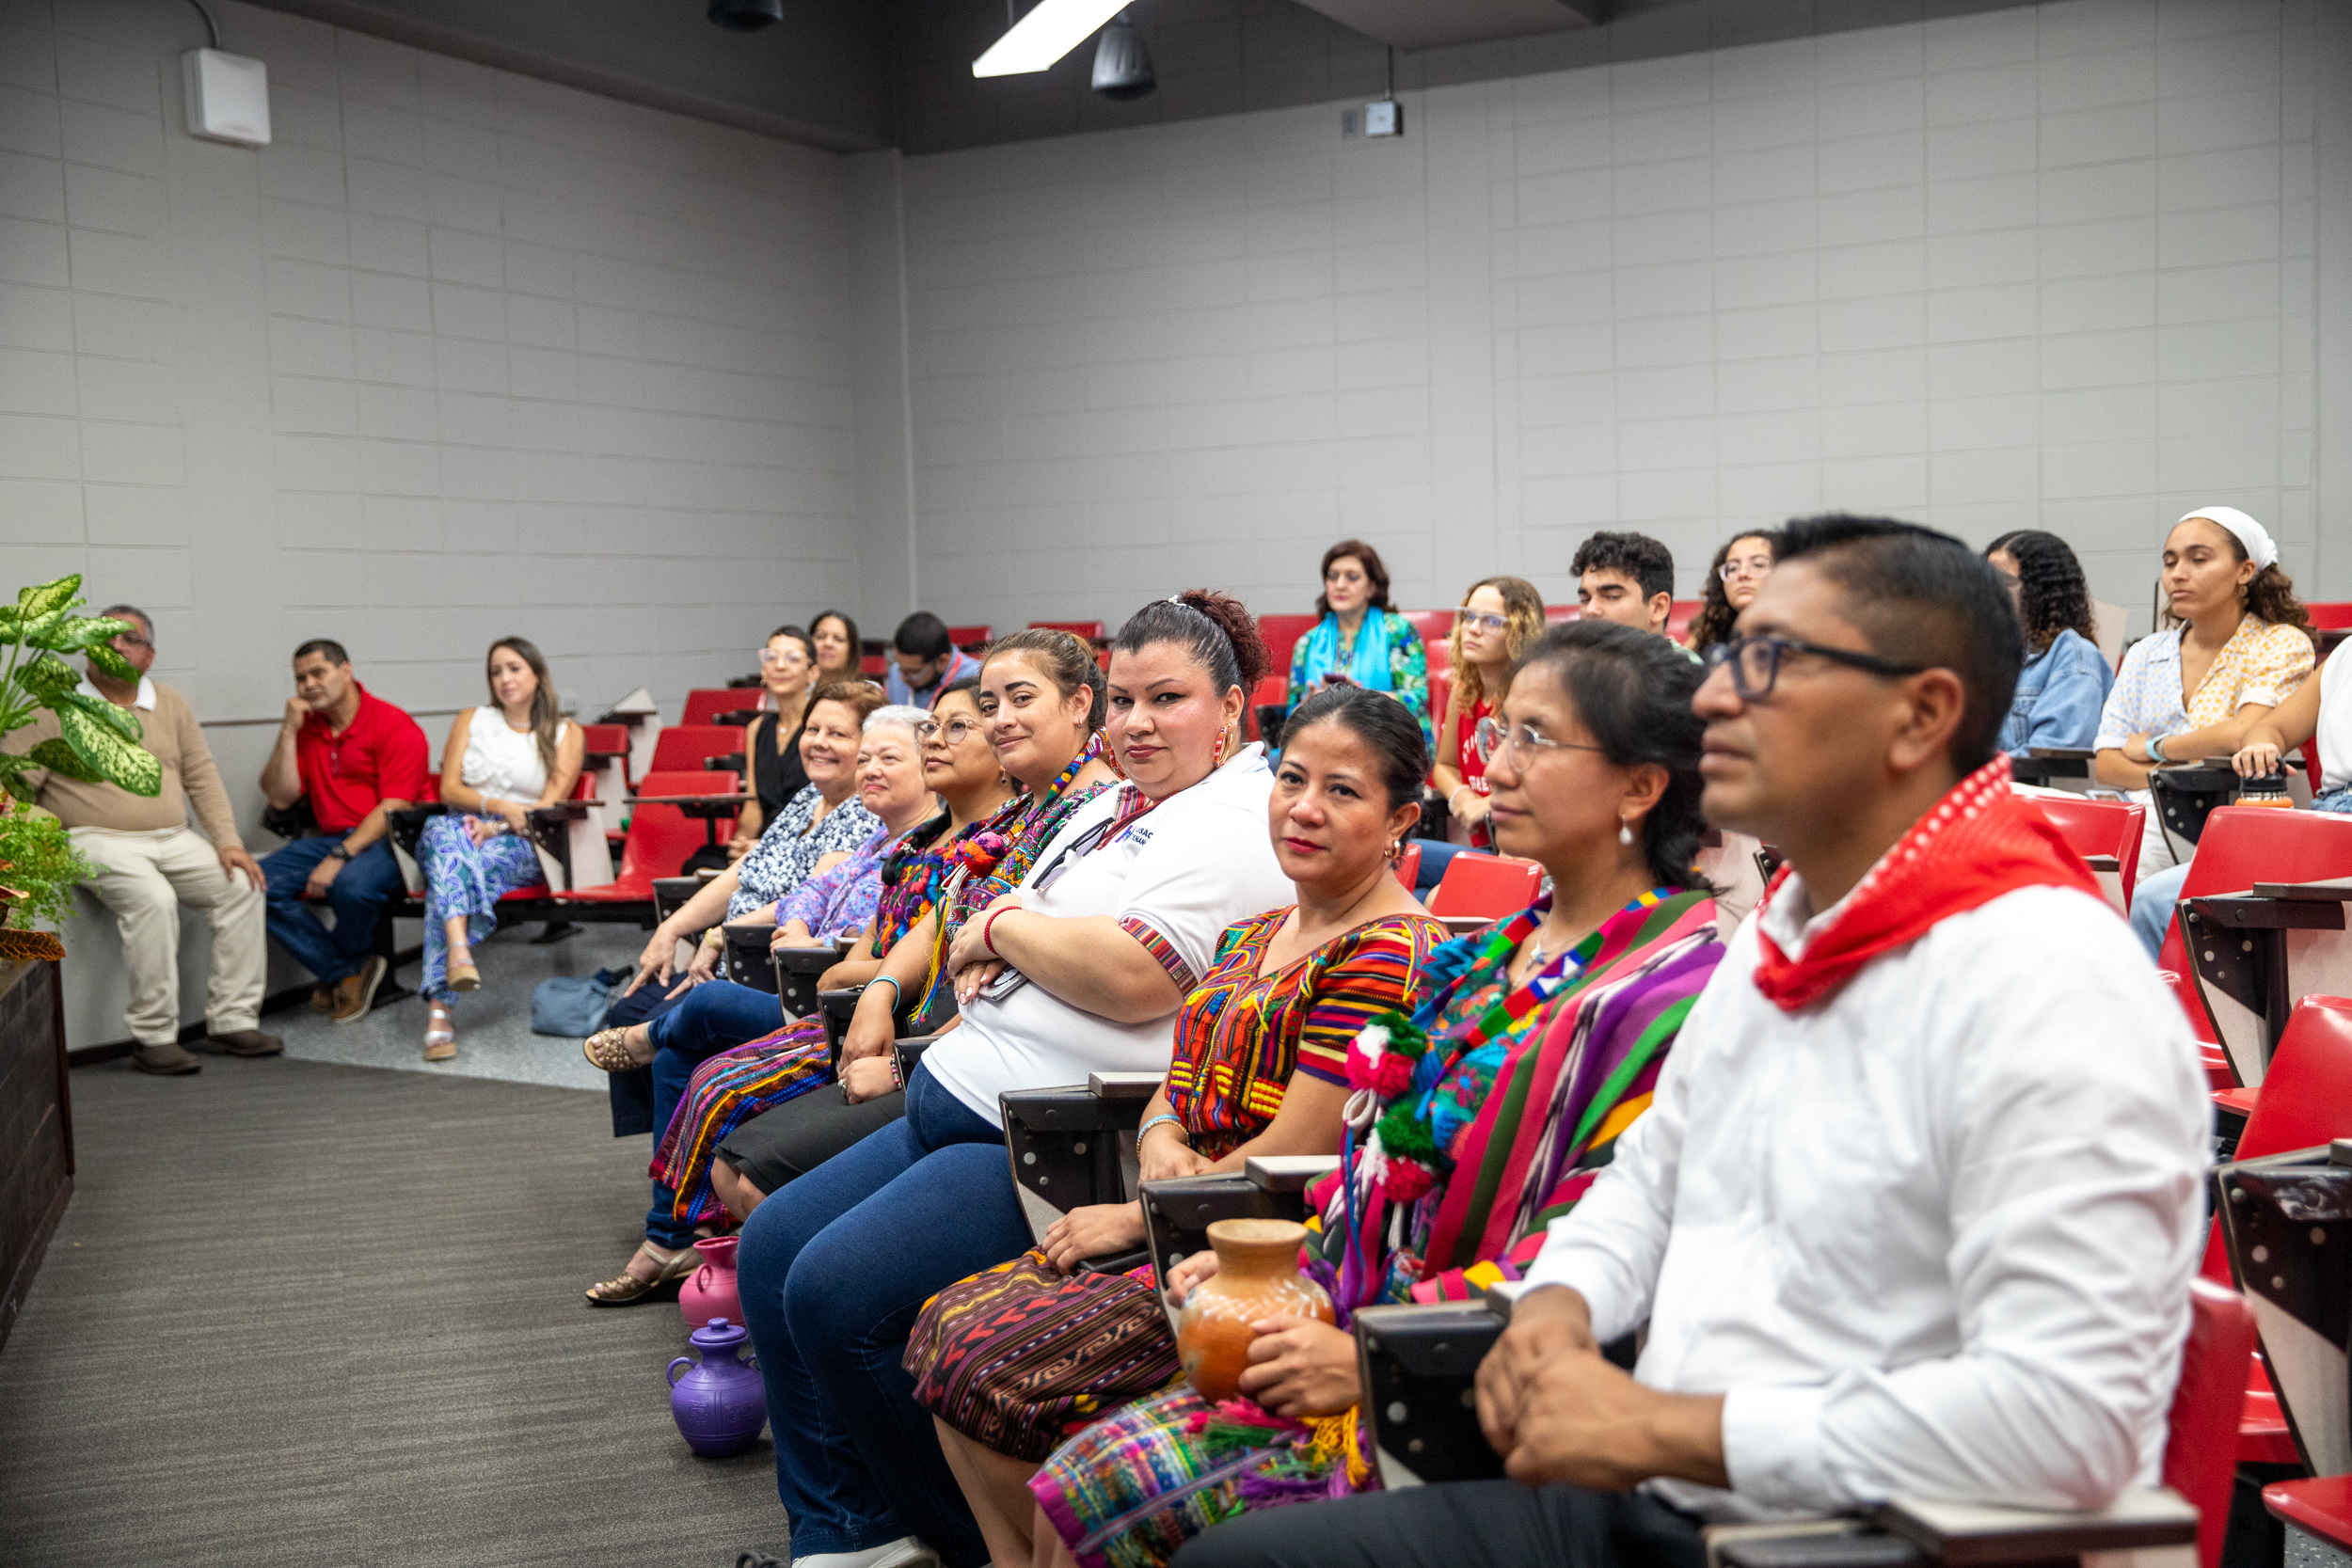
{"x": 227, "y": 96}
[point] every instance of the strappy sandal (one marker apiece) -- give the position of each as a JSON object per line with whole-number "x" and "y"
{"x": 463, "y": 975}
{"x": 626, "y": 1289}
{"x": 608, "y": 1049}
{"x": 441, "y": 1037}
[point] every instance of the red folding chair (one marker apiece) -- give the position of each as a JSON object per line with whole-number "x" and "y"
{"x": 1555, "y": 613}
{"x": 1409, "y": 864}
{"x": 1679, "y": 617}
{"x": 2200, "y": 1457}
{"x": 2305, "y": 1101}
{"x": 1435, "y": 625}
{"x": 1280, "y": 634}
{"x": 659, "y": 839}
{"x": 704, "y": 704}
{"x": 1092, "y": 630}
{"x": 2100, "y": 828}
{"x": 685, "y": 748}
{"x": 1485, "y": 887}
{"x": 971, "y": 639}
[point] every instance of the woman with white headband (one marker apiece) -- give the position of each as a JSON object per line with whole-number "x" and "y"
{"x": 2235, "y": 643}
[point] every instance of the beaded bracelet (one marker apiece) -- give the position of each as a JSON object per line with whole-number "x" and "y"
{"x": 1163, "y": 1117}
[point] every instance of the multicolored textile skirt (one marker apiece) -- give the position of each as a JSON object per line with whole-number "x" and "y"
{"x": 1130, "y": 1490}
{"x": 726, "y": 1092}
{"x": 465, "y": 877}
{"x": 1023, "y": 1355}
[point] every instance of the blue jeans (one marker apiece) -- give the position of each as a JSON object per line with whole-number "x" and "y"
{"x": 358, "y": 896}
{"x": 718, "y": 1015}
{"x": 834, "y": 1269}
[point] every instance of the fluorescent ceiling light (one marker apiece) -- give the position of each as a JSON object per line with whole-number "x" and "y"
{"x": 1051, "y": 30}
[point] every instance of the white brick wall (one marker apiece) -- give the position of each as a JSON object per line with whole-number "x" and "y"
{"x": 2050, "y": 266}
{"x": 459, "y": 354}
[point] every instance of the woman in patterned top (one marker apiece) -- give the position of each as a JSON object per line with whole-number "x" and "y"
{"x": 1008, "y": 1359}
{"x": 1533, "y": 1049}
{"x": 1360, "y": 641}
{"x": 2235, "y": 644}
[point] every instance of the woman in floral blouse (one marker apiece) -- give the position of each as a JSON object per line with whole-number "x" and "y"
{"x": 1360, "y": 641}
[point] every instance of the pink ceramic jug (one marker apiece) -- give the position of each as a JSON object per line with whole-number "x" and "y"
{"x": 710, "y": 1290}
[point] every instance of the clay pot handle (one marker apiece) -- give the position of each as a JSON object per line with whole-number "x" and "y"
{"x": 681, "y": 1361}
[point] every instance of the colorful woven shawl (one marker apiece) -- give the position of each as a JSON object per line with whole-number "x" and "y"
{"x": 1517, "y": 1099}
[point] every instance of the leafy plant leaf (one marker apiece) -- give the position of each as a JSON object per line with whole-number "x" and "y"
{"x": 49, "y": 597}
{"x": 73, "y": 633}
{"x": 48, "y": 676}
{"x": 104, "y": 749}
{"x": 104, "y": 656}
{"x": 121, "y": 721}
{"x": 58, "y": 757}
{"x": 40, "y": 631}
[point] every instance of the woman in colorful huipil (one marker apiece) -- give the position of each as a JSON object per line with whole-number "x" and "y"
{"x": 715, "y": 1153}
{"x": 1010, "y": 1359}
{"x": 1473, "y": 1123}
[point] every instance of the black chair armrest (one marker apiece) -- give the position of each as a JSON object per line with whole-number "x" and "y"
{"x": 1117, "y": 1265}
{"x": 1417, "y": 1366}
{"x": 797, "y": 970}
{"x": 747, "y": 958}
{"x": 1289, "y": 1173}
{"x": 811, "y": 962}
{"x": 1177, "y": 1213}
{"x": 407, "y": 824}
{"x": 670, "y": 895}
{"x": 910, "y": 1049}
{"x": 564, "y": 811}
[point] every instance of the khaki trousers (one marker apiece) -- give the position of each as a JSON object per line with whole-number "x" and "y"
{"x": 144, "y": 877}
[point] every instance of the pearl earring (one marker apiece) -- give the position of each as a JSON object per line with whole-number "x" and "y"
{"x": 1625, "y": 831}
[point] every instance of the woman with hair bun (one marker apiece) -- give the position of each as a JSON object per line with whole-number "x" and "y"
{"x": 1080, "y": 969}
{"x": 2065, "y": 682}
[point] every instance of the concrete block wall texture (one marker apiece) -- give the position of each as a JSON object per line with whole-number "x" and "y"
{"x": 2051, "y": 267}
{"x": 459, "y": 354}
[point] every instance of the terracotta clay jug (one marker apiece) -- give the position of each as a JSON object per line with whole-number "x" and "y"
{"x": 711, "y": 1291}
{"x": 1257, "y": 1276}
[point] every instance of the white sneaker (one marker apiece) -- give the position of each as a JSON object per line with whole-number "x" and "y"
{"x": 905, "y": 1552}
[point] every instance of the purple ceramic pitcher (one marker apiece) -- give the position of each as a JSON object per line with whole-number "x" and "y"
{"x": 721, "y": 1403}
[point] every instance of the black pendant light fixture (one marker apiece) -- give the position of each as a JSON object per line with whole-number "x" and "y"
{"x": 1122, "y": 67}
{"x": 746, "y": 16}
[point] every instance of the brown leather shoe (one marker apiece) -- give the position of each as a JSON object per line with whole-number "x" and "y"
{"x": 355, "y": 993}
{"x": 165, "y": 1061}
{"x": 241, "y": 1042}
{"x": 322, "y": 999}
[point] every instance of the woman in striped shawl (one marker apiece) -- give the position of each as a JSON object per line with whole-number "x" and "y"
{"x": 1474, "y": 1122}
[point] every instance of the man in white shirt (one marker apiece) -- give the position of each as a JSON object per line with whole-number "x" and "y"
{"x": 1916, "y": 1205}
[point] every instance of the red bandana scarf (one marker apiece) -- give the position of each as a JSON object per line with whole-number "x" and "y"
{"x": 1979, "y": 841}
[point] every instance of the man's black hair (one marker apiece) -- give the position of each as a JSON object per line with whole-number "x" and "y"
{"x": 1633, "y": 555}
{"x": 923, "y": 635}
{"x": 328, "y": 645}
{"x": 1923, "y": 597}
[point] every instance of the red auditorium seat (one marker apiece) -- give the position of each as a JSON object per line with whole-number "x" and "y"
{"x": 2100, "y": 828}
{"x": 704, "y": 704}
{"x": 1555, "y": 613}
{"x": 1408, "y": 865}
{"x": 2242, "y": 845}
{"x": 1440, "y": 656}
{"x": 2305, "y": 1101}
{"x": 1435, "y": 625}
{"x": 1485, "y": 887}
{"x": 971, "y": 639}
{"x": 1678, "y": 619}
{"x": 1282, "y": 634}
{"x": 1092, "y": 630}
{"x": 2199, "y": 1458}
{"x": 659, "y": 839}
{"x": 2331, "y": 617}
{"x": 685, "y": 747}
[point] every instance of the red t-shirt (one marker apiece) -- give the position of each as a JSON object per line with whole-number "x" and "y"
{"x": 382, "y": 755}
{"x": 1466, "y": 757}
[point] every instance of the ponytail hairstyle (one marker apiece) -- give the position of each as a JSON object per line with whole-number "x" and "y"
{"x": 547, "y": 724}
{"x": 1215, "y": 628}
{"x": 1063, "y": 658}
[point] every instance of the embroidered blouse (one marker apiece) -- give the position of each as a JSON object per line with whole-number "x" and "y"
{"x": 1407, "y": 673}
{"x": 790, "y": 849}
{"x": 1241, "y": 1035}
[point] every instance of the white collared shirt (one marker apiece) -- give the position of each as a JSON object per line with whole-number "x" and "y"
{"x": 145, "y": 699}
{"x": 1932, "y": 1238}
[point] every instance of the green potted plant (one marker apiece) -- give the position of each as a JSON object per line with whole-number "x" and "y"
{"x": 97, "y": 742}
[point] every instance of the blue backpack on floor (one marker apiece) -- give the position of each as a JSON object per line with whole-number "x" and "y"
{"x": 574, "y": 1005}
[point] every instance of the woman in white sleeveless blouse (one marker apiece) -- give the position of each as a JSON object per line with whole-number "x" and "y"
{"x": 502, "y": 759}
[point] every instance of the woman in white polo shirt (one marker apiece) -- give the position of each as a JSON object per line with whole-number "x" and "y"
{"x": 1080, "y": 970}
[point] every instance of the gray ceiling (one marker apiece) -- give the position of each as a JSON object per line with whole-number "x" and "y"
{"x": 853, "y": 74}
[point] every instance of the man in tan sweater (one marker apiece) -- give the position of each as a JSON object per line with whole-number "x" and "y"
{"x": 150, "y": 862}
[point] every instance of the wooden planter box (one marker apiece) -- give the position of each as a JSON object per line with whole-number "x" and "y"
{"x": 36, "y": 1125}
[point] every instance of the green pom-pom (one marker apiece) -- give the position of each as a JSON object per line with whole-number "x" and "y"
{"x": 1404, "y": 1137}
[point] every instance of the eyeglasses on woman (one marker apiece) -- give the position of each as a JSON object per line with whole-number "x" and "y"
{"x": 1469, "y": 620}
{"x": 953, "y": 732}
{"x": 1493, "y": 738}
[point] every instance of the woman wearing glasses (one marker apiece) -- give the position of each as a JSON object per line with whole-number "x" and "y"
{"x": 1548, "y": 1031}
{"x": 772, "y": 742}
{"x": 1740, "y": 569}
{"x": 1500, "y": 619}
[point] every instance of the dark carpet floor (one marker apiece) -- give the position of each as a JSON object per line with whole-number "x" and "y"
{"x": 307, "y": 1314}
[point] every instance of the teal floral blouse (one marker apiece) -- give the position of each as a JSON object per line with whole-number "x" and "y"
{"x": 1328, "y": 648}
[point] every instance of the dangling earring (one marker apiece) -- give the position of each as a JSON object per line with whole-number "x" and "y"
{"x": 1625, "y": 831}
{"x": 1217, "y": 760}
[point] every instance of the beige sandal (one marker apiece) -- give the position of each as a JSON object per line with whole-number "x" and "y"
{"x": 463, "y": 975}
{"x": 608, "y": 1049}
{"x": 626, "y": 1289}
{"x": 440, "y": 1034}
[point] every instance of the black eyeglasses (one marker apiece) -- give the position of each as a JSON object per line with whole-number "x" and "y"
{"x": 1755, "y": 662}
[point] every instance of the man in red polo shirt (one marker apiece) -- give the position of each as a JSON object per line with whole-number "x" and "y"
{"x": 356, "y": 758}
